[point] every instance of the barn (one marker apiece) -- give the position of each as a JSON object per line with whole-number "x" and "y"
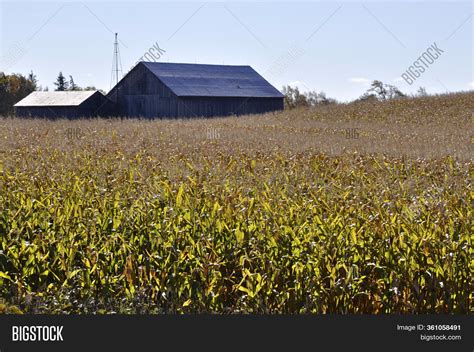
{"x": 64, "y": 104}
{"x": 155, "y": 89}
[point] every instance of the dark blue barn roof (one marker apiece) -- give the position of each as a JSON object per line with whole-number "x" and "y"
{"x": 188, "y": 80}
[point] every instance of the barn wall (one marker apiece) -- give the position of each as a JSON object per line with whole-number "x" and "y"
{"x": 153, "y": 106}
{"x": 54, "y": 112}
{"x": 141, "y": 94}
{"x": 220, "y": 106}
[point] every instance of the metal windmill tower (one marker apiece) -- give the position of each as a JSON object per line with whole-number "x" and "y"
{"x": 116, "y": 65}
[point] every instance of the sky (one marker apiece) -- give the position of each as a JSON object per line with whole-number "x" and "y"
{"x": 335, "y": 47}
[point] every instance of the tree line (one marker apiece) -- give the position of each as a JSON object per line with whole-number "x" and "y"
{"x": 13, "y": 88}
{"x": 378, "y": 91}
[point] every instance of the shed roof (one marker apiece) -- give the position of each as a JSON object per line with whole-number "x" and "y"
{"x": 69, "y": 98}
{"x": 212, "y": 80}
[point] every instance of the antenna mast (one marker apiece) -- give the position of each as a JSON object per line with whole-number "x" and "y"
{"x": 116, "y": 64}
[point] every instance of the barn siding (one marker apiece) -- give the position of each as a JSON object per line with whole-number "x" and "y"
{"x": 220, "y": 106}
{"x": 54, "y": 112}
{"x": 141, "y": 94}
{"x": 153, "y": 106}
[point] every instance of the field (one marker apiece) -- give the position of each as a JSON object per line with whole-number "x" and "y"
{"x": 358, "y": 208}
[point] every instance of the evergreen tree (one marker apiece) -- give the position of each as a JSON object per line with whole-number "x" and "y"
{"x": 61, "y": 83}
{"x": 33, "y": 80}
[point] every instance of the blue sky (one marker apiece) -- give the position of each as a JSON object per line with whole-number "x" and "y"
{"x": 336, "y": 47}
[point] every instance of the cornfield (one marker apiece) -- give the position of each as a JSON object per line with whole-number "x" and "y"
{"x": 281, "y": 213}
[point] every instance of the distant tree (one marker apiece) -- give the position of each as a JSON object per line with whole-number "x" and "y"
{"x": 61, "y": 83}
{"x": 293, "y": 98}
{"x": 314, "y": 99}
{"x": 13, "y": 88}
{"x": 421, "y": 92}
{"x": 32, "y": 78}
{"x": 367, "y": 97}
{"x": 393, "y": 92}
{"x": 378, "y": 89}
{"x": 94, "y": 88}
{"x": 73, "y": 85}
{"x": 381, "y": 92}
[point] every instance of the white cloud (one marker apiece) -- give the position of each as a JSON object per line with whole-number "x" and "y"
{"x": 471, "y": 84}
{"x": 360, "y": 80}
{"x": 398, "y": 79}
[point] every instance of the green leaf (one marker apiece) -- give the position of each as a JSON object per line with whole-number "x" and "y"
{"x": 5, "y": 276}
{"x": 239, "y": 235}
{"x": 179, "y": 196}
{"x": 353, "y": 236}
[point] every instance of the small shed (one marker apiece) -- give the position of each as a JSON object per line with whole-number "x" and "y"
{"x": 156, "y": 89}
{"x": 62, "y": 104}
